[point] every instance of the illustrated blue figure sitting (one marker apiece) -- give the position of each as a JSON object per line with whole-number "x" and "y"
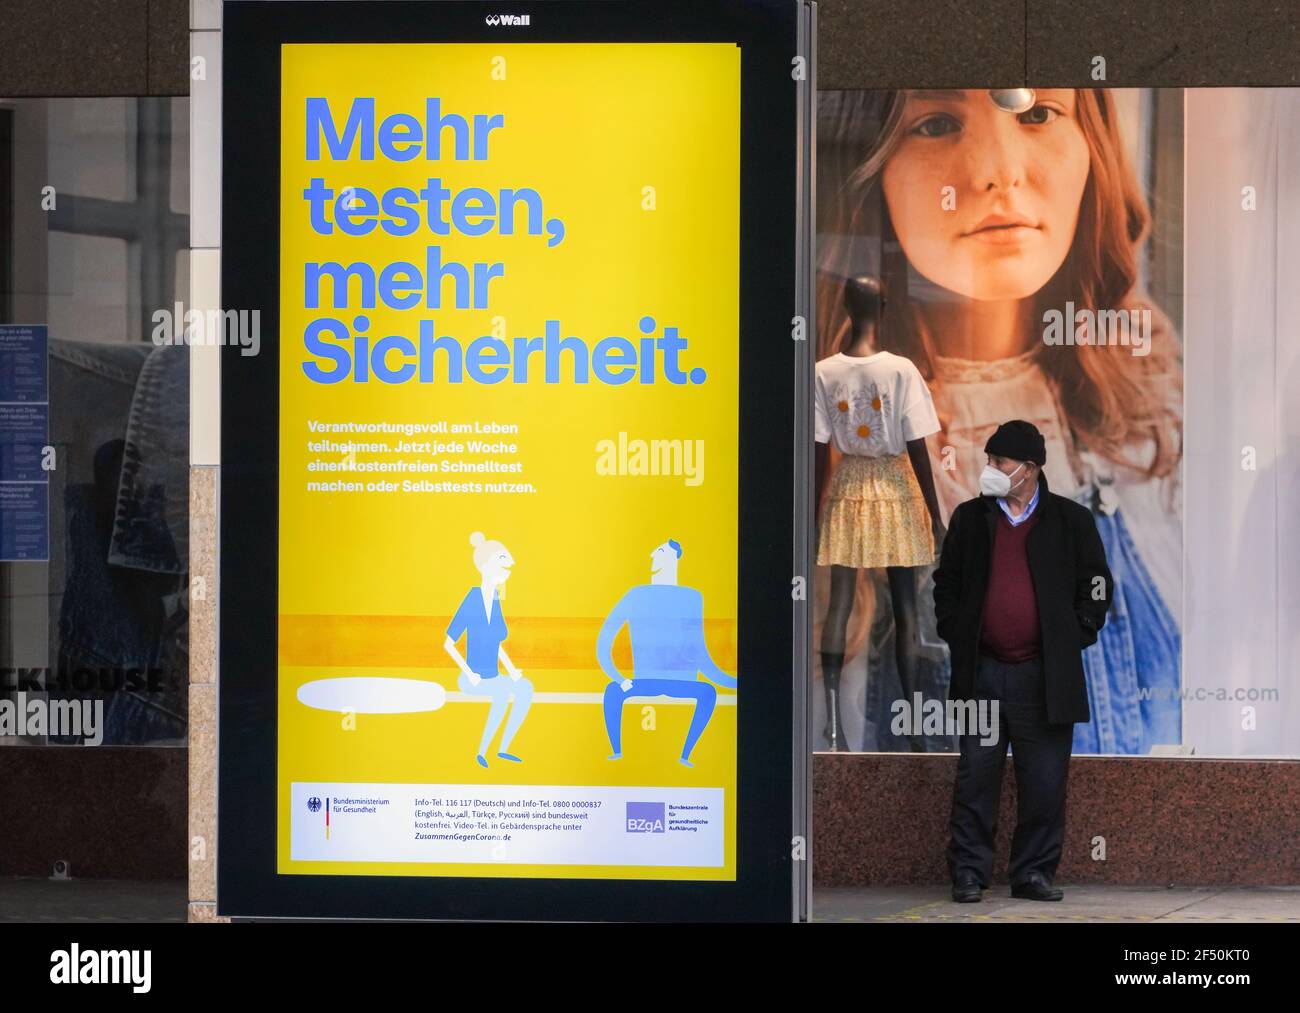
{"x": 479, "y": 618}
{"x": 666, "y": 626}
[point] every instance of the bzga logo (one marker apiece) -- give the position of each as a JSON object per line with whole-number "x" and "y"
{"x": 509, "y": 20}
{"x": 645, "y": 818}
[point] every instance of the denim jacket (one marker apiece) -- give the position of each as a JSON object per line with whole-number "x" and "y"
{"x": 119, "y": 555}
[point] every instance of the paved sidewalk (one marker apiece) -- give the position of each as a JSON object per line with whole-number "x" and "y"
{"x": 1081, "y": 904}
{"x": 92, "y": 900}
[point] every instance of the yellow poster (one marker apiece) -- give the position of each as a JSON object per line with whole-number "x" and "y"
{"x": 509, "y": 358}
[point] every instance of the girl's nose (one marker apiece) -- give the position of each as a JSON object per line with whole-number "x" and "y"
{"x": 997, "y": 158}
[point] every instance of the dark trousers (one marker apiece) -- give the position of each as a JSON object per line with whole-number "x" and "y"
{"x": 1041, "y": 753}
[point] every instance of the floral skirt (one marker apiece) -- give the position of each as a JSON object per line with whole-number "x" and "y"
{"x": 875, "y": 515}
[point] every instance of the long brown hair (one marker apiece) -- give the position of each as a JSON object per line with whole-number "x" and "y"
{"x": 1111, "y": 398}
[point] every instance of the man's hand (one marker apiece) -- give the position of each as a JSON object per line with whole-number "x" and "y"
{"x": 626, "y": 684}
{"x": 473, "y": 677}
{"x": 1094, "y": 586}
{"x": 516, "y": 674}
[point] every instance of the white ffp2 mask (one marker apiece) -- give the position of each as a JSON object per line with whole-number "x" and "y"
{"x": 994, "y": 482}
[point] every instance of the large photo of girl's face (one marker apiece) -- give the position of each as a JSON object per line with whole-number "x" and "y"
{"x": 1028, "y": 245}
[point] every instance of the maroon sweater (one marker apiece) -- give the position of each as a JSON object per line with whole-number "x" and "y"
{"x": 1010, "y": 630}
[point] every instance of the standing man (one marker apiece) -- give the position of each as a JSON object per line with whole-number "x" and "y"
{"x": 1022, "y": 587}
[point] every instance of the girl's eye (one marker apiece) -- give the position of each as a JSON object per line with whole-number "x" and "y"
{"x": 936, "y": 126}
{"x": 1039, "y": 116}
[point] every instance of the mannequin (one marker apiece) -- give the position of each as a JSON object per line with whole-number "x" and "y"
{"x": 899, "y": 551}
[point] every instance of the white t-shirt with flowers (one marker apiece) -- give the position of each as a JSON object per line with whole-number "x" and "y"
{"x": 870, "y": 406}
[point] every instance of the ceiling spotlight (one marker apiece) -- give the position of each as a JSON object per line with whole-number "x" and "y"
{"x": 1013, "y": 100}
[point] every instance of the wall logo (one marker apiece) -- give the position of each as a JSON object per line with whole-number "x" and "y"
{"x": 313, "y": 804}
{"x": 645, "y": 818}
{"x": 508, "y": 20}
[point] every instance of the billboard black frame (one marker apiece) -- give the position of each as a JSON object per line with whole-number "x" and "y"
{"x": 248, "y": 885}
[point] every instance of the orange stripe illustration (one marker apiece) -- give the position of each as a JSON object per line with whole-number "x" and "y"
{"x": 543, "y": 642}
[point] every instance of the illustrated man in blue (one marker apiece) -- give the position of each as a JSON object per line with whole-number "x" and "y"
{"x": 666, "y": 625}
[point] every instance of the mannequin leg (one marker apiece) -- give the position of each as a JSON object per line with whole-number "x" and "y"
{"x": 907, "y": 638}
{"x": 844, "y": 583}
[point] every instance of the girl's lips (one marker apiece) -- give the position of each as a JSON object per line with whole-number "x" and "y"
{"x": 1003, "y": 235}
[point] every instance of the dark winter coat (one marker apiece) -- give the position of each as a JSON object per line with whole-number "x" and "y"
{"x": 1072, "y": 586}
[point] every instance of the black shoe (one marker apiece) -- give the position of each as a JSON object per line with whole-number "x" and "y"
{"x": 966, "y": 890}
{"x": 1036, "y": 887}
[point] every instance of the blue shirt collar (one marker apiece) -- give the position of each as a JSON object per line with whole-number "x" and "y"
{"x": 1029, "y": 508}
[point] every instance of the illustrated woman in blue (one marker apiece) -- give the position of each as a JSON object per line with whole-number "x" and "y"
{"x": 479, "y": 619}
